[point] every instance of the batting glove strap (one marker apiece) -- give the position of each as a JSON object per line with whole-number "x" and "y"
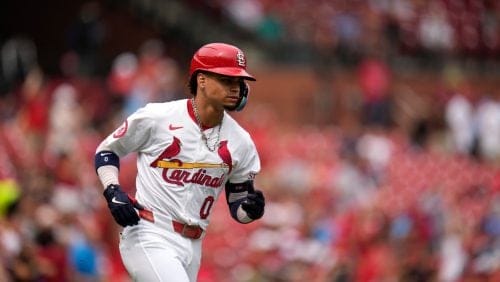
{"x": 254, "y": 205}
{"x": 120, "y": 206}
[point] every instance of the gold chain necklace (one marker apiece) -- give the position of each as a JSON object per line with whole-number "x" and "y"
{"x": 203, "y": 136}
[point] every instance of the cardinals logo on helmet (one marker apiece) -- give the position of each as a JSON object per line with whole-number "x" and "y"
{"x": 240, "y": 57}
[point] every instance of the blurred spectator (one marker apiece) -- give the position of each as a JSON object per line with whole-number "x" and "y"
{"x": 488, "y": 127}
{"x": 375, "y": 149}
{"x": 51, "y": 257}
{"x": 375, "y": 80}
{"x": 65, "y": 120}
{"x": 123, "y": 72}
{"x": 33, "y": 96}
{"x": 19, "y": 57}
{"x": 435, "y": 32}
{"x": 348, "y": 29}
{"x": 354, "y": 182}
{"x": 453, "y": 256}
{"x": 156, "y": 77}
{"x": 459, "y": 116}
{"x": 248, "y": 14}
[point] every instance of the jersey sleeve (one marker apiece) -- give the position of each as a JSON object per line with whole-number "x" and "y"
{"x": 248, "y": 166}
{"x": 133, "y": 135}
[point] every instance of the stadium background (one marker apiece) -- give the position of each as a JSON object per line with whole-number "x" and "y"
{"x": 377, "y": 123}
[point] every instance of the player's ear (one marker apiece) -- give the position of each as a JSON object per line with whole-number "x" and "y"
{"x": 201, "y": 78}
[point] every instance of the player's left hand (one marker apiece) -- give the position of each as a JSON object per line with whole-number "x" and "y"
{"x": 254, "y": 205}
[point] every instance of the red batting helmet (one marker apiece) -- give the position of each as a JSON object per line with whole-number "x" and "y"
{"x": 222, "y": 59}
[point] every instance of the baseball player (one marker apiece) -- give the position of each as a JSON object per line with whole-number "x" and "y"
{"x": 187, "y": 151}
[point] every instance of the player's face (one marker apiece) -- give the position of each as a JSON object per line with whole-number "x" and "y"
{"x": 223, "y": 89}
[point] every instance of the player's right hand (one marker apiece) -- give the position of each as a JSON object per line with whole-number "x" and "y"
{"x": 120, "y": 205}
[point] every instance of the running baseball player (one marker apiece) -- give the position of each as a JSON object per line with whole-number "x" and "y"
{"x": 187, "y": 151}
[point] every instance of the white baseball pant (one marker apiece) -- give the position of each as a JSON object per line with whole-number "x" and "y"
{"x": 155, "y": 252}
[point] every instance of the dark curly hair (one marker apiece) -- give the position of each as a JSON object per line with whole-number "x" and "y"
{"x": 193, "y": 83}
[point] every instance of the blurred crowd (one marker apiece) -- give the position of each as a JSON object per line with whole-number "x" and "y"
{"x": 373, "y": 203}
{"x": 429, "y": 29}
{"x": 54, "y": 226}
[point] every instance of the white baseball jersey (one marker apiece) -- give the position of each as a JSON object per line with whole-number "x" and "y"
{"x": 178, "y": 176}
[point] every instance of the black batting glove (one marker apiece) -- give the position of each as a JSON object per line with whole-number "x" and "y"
{"x": 120, "y": 205}
{"x": 254, "y": 204}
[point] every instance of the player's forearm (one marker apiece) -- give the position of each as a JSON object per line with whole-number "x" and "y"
{"x": 107, "y": 166}
{"x": 108, "y": 175}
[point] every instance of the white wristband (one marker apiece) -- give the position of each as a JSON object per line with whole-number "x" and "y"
{"x": 108, "y": 174}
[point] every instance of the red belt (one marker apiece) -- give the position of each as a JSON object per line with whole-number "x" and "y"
{"x": 188, "y": 231}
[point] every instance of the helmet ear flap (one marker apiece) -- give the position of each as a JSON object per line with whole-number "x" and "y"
{"x": 244, "y": 91}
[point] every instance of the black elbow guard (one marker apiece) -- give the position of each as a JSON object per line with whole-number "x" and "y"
{"x": 236, "y": 193}
{"x": 244, "y": 195}
{"x": 233, "y": 208}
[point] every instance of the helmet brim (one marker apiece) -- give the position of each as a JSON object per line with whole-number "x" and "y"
{"x": 237, "y": 72}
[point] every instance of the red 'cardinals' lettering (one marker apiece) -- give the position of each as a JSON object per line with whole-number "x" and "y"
{"x": 181, "y": 177}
